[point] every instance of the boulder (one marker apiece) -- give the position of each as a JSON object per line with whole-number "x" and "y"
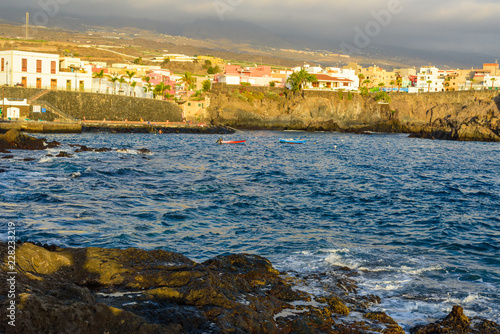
{"x": 457, "y": 323}
{"x": 14, "y": 139}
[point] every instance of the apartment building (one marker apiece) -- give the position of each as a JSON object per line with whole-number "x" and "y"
{"x": 44, "y": 70}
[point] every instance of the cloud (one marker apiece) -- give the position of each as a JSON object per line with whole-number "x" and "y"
{"x": 462, "y": 25}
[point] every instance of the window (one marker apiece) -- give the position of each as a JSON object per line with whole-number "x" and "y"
{"x": 38, "y": 66}
{"x": 53, "y": 67}
{"x": 24, "y": 62}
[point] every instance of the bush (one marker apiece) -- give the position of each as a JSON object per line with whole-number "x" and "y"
{"x": 349, "y": 96}
{"x": 383, "y": 96}
{"x": 364, "y": 91}
{"x": 272, "y": 95}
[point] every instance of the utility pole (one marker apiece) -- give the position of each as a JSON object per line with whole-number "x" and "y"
{"x": 27, "y": 24}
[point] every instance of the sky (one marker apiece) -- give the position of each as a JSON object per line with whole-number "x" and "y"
{"x": 470, "y": 26}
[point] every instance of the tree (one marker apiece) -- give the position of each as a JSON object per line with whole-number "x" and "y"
{"x": 130, "y": 75}
{"x": 383, "y": 96}
{"x": 148, "y": 87}
{"x": 99, "y": 75}
{"x": 367, "y": 82}
{"x": 133, "y": 84}
{"x": 493, "y": 82}
{"x": 471, "y": 82}
{"x": 206, "y": 84}
{"x": 207, "y": 64}
{"x": 361, "y": 76}
{"x": 160, "y": 89}
{"x": 381, "y": 85}
{"x": 298, "y": 79}
{"x": 188, "y": 80}
{"x": 137, "y": 61}
{"x": 429, "y": 85}
{"x": 113, "y": 79}
{"x": 121, "y": 80}
{"x": 272, "y": 84}
{"x": 399, "y": 81}
{"x": 392, "y": 83}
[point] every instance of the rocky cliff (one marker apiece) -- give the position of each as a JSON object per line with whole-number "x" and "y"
{"x": 447, "y": 115}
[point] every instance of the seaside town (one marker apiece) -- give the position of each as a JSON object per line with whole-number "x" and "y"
{"x": 163, "y": 172}
{"x": 55, "y": 72}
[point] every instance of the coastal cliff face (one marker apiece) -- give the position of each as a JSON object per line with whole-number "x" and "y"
{"x": 447, "y": 115}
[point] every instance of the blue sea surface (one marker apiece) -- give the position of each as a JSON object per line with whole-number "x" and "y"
{"x": 418, "y": 219}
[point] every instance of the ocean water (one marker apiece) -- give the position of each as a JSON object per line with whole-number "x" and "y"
{"x": 418, "y": 219}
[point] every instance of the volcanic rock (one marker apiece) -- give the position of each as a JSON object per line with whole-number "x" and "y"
{"x": 457, "y": 323}
{"x": 96, "y": 290}
{"x": 14, "y": 139}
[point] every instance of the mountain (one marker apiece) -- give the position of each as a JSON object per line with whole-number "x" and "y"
{"x": 237, "y": 36}
{"x": 239, "y": 32}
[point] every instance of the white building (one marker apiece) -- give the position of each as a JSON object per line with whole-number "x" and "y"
{"x": 332, "y": 78}
{"x": 229, "y": 79}
{"x": 431, "y": 79}
{"x": 488, "y": 83}
{"x": 43, "y": 70}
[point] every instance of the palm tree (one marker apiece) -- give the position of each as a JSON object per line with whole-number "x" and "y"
{"x": 367, "y": 81}
{"x": 300, "y": 78}
{"x": 113, "y": 79}
{"x": 493, "y": 82}
{"x": 130, "y": 75}
{"x": 159, "y": 89}
{"x": 471, "y": 82}
{"x": 99, "y": 75}
{"x": 188, "y": 80}
{"x": 399, "y": 81}
{"x": 148, "y": 87}
{"x": 392, "y": 83}
{"x": 381, "y": 85}
{"x": 121, "y": 80}
{"x": 133, "y": 84}
{"x": 361, "y": 76}
{"x": 429, "y": 87}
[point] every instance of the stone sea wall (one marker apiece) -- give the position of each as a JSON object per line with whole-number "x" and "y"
{"x": 94, "y": 106}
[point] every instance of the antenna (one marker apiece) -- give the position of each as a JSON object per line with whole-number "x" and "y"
{"x": 27, "y": 24}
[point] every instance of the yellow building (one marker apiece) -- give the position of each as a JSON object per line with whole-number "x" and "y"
{"x": 214, "y": 60}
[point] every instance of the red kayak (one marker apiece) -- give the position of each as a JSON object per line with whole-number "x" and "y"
{"x": 231, "y": 141}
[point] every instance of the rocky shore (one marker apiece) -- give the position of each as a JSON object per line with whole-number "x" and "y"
{"x": 461, "y": 116}
{"x": 96, "y": 290}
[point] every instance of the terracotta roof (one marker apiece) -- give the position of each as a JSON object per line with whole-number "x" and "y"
{"x": 324, "y": 77}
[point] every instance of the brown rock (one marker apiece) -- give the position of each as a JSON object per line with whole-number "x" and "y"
{"x": 457, "y": 323}
{"x": 14, "y": 139}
